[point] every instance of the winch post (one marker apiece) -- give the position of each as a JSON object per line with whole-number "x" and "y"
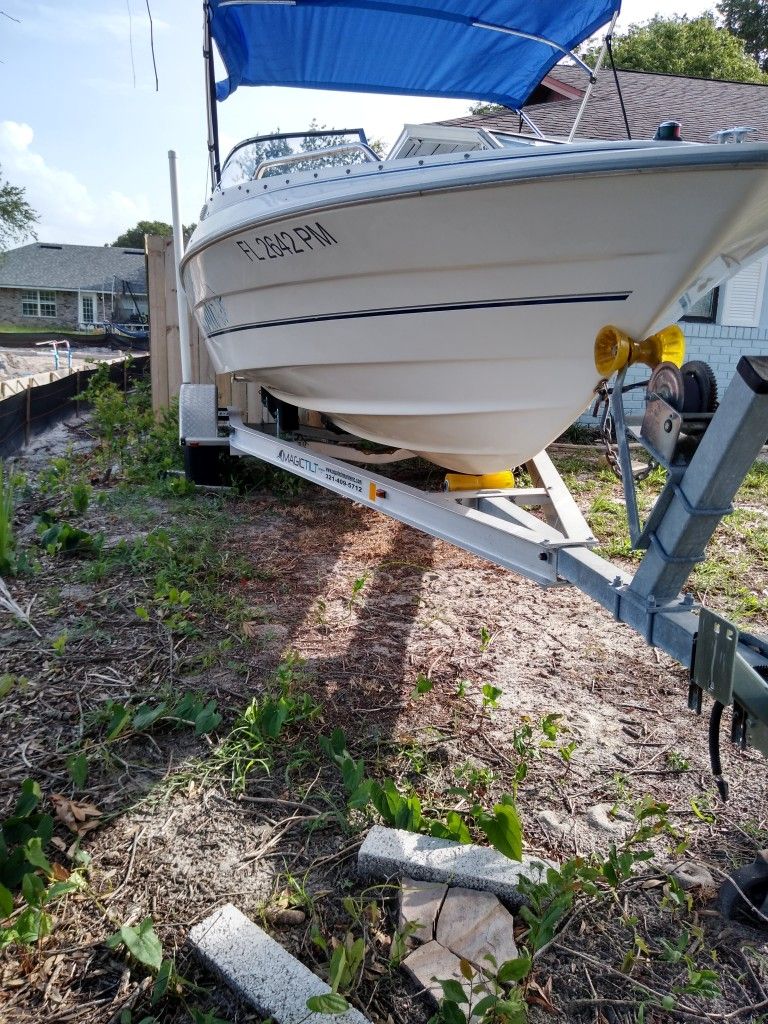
{"x": 703, "y": 495}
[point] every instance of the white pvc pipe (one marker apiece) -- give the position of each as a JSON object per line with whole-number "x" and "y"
{"x": 178, "y": 252}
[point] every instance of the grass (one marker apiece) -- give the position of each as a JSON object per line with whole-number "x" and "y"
{"x": 734, "y": 577}
{"x": 67, "y": 332}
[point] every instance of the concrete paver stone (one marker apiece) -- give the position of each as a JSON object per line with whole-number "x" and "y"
{"x": 390, "y": 853}
{"x": 432, "y": 963}
{"x": 474, "y": 924}
{"x": 261, "y": 970}
{"x": 420, "y": 904}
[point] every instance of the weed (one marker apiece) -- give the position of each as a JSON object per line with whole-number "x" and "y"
{"x": 485, "y": 639}
{"x": 61, "y": 538}
{"x": 491, "y": 695}
{"x": 251, "y": 744}
{"x": 7, "y": 500}
{"x": 403, "y": 810}
{"x": 423, "y": 685}
{"x": 488, "y": 996}
{"x": 475, "y": 778}
{"x": 25, "y": 869}
{"x": 357, "y": 589}
{"x": 676, "y": 761}
{"x": 80, "y": 495}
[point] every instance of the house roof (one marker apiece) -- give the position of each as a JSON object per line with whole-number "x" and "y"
{"x": 702, "y": 105}
{"x": 73, "y": 267}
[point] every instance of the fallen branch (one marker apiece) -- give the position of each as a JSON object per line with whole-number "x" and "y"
{"x": 10, "y": 605}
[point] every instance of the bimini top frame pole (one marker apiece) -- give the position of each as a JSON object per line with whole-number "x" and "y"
{"x": 592, "y": 78}
{"x": 210, "y": 99}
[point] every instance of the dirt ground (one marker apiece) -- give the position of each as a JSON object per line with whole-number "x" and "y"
{"x": 19, "y": 362}
{"x": 389, "y": 635}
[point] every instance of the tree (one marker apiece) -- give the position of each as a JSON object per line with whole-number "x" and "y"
{"x": 133, "y": 238}
{"x": 695, "y": 47}
{"x": 748, "y": 19}
{"x": 17, "y": 218}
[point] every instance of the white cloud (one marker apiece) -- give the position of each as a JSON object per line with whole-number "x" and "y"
{"x": 68, "y": 212}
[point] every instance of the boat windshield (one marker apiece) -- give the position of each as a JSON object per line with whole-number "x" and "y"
{"x": 509, "y": 140}
{"x": 269, "y": 155}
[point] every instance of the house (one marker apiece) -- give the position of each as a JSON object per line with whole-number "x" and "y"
{"x": 733, "y": 319}
{"x": 49, "y": 285}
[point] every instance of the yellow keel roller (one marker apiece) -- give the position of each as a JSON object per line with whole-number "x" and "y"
{"x": 614, "y": 349}
{"x": 503, "y": 481}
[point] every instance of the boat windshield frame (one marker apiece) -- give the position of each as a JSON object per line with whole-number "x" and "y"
{"x": 309, "y": 134}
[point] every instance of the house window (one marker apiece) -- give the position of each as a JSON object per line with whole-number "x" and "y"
{"x": 87, "y": 316}
{"x": 37, "y": 303}
{"x": 705, "y": 310}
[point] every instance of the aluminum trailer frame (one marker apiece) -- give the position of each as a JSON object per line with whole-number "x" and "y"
{"x": 732, "y": 668}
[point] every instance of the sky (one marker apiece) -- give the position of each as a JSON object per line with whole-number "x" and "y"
{"x": 85, "y": 132}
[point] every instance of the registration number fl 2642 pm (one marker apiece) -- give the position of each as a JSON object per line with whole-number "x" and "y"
{"x": 290, "y": 242}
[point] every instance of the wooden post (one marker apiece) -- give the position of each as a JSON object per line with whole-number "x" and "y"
{"x": 158, "y": 360}
{"x": 28, "y": 425}
{"x": 165, "y": 359}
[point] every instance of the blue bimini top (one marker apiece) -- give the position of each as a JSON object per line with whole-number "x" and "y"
{"x": 491, "y": 50}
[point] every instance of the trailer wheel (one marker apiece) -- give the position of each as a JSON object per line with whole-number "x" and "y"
{"x": 203, "y": 464}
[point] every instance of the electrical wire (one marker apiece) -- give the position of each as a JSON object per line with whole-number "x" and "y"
{"x": 152, "y": 46}
{"x": 130, "y": 41}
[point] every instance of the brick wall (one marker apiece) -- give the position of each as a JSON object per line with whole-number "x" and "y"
{"x": 717, "y": 344}
{"x": 66, "y": 311}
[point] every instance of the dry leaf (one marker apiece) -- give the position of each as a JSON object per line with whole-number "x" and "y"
{"x": 79, "y": 818}
{"x": 60, "y": 873}
{"x": 541, "y": 996}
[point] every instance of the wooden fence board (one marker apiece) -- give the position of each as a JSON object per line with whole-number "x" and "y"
{"x": 164, "y": 342}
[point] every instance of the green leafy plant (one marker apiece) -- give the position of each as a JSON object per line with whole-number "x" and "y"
{"x": 423, "y": 685}
{"x": 676, "y": 762}
{"x": 65, "y": 539}
{"x": 7, "y": 501}
{"x": 25, "y": 869}
{"x": 141, "y": 942}
{"x": 489, "y": 996}
{"x": 403, "y": 810}
{"x": 80, "y": 497}
{"x": 491, "y": 695}
{"x": 357, "y": 589}
{"x": 485, "y": 639}
{"x": 260, "y": 727}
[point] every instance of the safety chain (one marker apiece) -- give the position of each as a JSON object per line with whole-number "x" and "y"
{"x": 607, "y": 430}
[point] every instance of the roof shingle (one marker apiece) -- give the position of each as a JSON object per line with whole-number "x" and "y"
{"x": 703, "y": 106}
{"x": 73, "y": 267}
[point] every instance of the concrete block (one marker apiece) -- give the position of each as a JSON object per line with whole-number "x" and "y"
{"x": 432, "y": 963}
{"x": 420, "y": 903}
{"x": 260, "y": 970}
{"x": 474, "y": 925}
{"x": 389, "y": 853}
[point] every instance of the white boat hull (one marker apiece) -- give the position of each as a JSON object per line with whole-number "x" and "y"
{"x": 459, "y": 321}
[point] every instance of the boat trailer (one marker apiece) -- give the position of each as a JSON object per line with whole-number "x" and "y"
{"x": 703, "y": 475}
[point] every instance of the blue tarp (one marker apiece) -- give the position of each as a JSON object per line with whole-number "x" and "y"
{"x": 417, "y": 47}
